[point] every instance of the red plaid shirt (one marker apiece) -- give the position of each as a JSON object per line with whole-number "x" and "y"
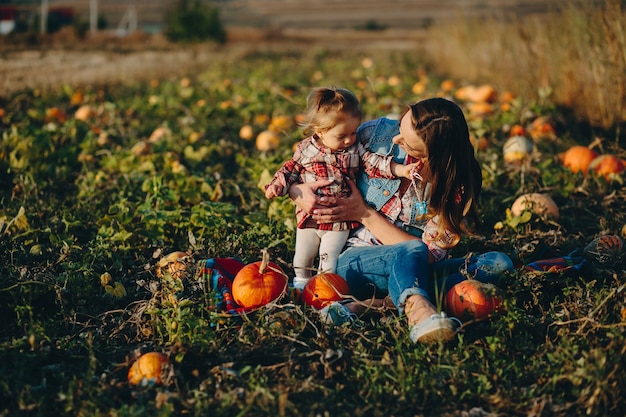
{"x": 313, "y": 161}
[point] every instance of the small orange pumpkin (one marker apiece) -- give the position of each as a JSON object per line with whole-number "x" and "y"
{"x": 246, "y": 132}
{"x": 480, "y": 108}
{"x": 281, "y": 123}
{"x": 517, "y": 130}
{"x": 258, "y": 284}
{"x": 323, "y": 289}
{"x": 607, "y": 166}
{"x": 473, "y": 300}
{"x": 148, "y": 367}
{"x": 577, "y": 158}
{"x": 267, "y": 141}
{"x": 84, "y": 113}
{"x": 542, "y": 128}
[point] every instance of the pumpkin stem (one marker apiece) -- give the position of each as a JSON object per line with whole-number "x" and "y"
{"x": 265, "y": 260}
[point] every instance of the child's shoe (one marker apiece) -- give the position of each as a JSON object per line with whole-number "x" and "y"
{"x": 299, "y": 282}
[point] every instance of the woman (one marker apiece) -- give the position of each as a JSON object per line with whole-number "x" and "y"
{"x": 409, "y": 225}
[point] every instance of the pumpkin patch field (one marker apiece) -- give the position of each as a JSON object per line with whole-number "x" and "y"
{"x": 128, "y": 209}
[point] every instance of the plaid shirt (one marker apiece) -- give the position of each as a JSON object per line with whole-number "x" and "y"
{"x": 312, "y": 161}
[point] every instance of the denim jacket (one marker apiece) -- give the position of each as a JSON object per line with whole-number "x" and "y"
{"x": 377, "y": 191}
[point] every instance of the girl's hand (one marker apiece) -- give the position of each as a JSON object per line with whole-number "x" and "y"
{"x": 305, "y": 197}
{"x": 409, "y": 171}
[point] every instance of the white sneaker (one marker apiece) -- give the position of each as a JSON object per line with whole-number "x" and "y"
{"x": 337, "y": 314}
{"x": 299, "y": 282}
{"x": 436, "y": 328}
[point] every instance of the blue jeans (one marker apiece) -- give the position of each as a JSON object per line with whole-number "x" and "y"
{"x": 402, "y": 269}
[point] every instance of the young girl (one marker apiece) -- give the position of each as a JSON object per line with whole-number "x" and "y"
{"x": 329, "y": 153}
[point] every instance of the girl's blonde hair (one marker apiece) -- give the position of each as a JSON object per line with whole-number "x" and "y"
{"x": 325, "y": 106}
{"x": 455, "y": 174}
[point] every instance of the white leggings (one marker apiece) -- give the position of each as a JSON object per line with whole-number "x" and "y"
{"x": 311, "y": 243}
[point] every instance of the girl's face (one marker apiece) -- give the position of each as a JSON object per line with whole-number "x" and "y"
{"x": 342, "y": 135}
{"x": 408, "y": 139}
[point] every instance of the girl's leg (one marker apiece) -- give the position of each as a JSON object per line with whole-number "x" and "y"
{"x": 307, "y": 247}
{"x": 398, "y": 270}
{"x": 331, "y": 244}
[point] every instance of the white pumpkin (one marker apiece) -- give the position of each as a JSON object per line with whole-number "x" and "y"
{"x": 541, "y": 204}
{"x": 516, "y": 149}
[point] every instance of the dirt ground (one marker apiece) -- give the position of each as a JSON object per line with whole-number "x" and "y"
{"x": 110, "y": 59}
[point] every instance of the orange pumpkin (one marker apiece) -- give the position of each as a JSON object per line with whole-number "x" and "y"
{"x": 480, "y": 108}
{"x": 258, "y": 284}
{"x": 55, "y": 114}
{"x": 281, "y": 124}
{"x": 323, "y": 289}
{"x": 577, "y": 158}
{"x": 542, "y": 128}
{"x": 84, "y": 112}
{"x": 517, "y": 130}
{"x": 267, "y": 141}
{"x": 246, "y": 132}
{"x": 473, "y": 300}
{"x": 607, "y": 166}
{"x": 148, "y": 367}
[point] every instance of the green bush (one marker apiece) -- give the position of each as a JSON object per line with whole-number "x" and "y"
{"x": 192, "y": 21}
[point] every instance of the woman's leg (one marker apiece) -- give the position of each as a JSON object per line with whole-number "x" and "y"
{"x": 331, "y": 245}
{"x": 487, "y": 267}
{"x": 398, "y": 270}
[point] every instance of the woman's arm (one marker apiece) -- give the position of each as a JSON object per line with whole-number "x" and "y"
{"x": 354, "y": 208}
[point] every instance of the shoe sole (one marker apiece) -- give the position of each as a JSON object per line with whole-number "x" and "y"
{"x": 437, "y": 335}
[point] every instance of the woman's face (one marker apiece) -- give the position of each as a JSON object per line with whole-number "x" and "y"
{"x": 408, "y": 139}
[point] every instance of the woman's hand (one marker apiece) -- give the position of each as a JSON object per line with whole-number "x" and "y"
{"x": 305, "y": 197}
{"x": 352, "y": 208}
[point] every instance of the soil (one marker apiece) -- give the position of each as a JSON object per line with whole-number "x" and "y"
{"x": 108, "y": 58}
{"x": 64, "y": 60}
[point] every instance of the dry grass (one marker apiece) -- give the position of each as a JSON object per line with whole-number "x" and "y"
{"x": 577, "y": 57}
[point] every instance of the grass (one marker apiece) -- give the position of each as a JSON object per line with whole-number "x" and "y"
{"x": 84, "y": 205}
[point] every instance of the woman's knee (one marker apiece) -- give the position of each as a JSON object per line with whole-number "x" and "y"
{"x": 412, "y": 249}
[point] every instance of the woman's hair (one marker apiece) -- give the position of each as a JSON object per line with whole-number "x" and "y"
{"x": 455, "y": 174}
{"x": 325, "y": 106}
